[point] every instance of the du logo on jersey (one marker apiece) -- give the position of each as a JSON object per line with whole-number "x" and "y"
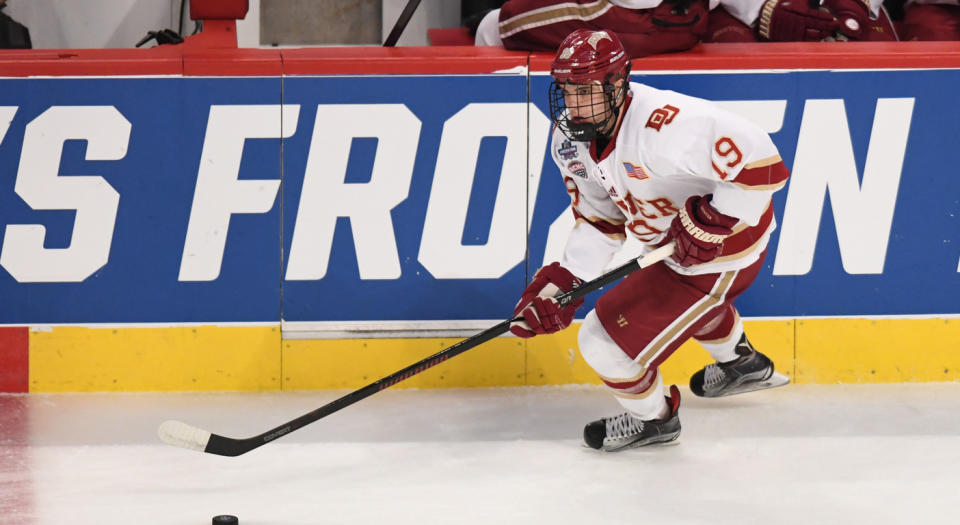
{"x": 634, "y": 171}
{"x": 662, "y": 116}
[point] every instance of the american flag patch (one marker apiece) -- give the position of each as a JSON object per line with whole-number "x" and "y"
{"x": 635, "y": 171}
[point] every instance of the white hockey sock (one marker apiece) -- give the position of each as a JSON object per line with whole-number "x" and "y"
{"x": 724, "y": 350}
{"x": 648, "y": 405}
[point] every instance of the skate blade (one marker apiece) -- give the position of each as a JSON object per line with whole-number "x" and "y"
{"x": 669, "y": 442}
{"x": 777, "y": 379}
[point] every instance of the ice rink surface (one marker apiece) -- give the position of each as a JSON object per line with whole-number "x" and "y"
{"x": 799, "y": 454}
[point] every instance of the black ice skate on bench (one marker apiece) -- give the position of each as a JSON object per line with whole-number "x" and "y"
{"x": 751, "y": 371}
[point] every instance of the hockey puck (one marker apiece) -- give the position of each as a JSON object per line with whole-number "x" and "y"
{"x": 225, "y": 519}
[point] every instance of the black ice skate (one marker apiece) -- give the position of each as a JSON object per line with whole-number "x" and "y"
{"x": 751, "y": 371}
{"x": 627, "y": 431}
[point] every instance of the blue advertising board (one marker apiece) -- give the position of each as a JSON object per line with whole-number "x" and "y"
{"x": 98, "y": 261}
{"x": 385, "y": 198}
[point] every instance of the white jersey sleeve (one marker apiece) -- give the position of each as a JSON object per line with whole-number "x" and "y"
{"x": 599, "y": 229}
{"x": 588, "y": 251}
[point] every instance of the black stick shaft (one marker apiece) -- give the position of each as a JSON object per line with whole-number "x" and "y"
{"x": 401, "y": 24}
{"x": 225, "y": 446}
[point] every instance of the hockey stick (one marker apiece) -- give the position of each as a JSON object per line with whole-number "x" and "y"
{"x": 183, "y": 435}
{"x": 401, "y": 24}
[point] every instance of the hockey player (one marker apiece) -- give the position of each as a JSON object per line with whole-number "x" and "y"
{"x": 662, "y": 167}
{"x": 931, "y": 20}
{"x": 799, "y": 20}
{"x": 645, "y": 27}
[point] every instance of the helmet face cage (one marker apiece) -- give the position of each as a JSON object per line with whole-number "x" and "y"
{"x": 603, "y": 112}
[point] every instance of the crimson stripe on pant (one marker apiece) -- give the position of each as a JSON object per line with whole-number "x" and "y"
{"x": 633, "y": 387}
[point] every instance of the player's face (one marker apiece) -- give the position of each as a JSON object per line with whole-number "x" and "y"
{"x": 586, "y": 102}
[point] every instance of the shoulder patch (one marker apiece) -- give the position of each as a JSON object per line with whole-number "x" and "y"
{"x": 567, "y": 150}
{"x": 577, "y": 168}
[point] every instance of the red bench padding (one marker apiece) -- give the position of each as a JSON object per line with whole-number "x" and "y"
{"x": 218, "y": 9}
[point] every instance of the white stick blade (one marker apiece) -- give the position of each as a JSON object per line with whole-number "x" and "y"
{"x": 183, "y": 435}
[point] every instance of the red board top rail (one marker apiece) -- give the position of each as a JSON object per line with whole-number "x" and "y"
{"x": 400, "y": 60}
{"x": 193, "y": 60}
{"x": 812, "y": 55}
{"x": 90, "y": 62}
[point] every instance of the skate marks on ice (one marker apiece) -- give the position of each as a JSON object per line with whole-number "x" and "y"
{"x": 869, "y": 453}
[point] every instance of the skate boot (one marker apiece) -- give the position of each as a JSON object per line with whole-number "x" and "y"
{"x": 751, "y": 371}
{"x": 628, "y": 431}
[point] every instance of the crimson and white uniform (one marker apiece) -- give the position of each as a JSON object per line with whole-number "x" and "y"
{"x": 645, "y": 27}
{"x": 932, "y": 20}
{"x": 667, "y": 148}
{"x": 748, "y": 11}
{"x": 737, "y": 21}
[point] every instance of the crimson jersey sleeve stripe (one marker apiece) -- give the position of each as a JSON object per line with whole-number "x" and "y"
{"x": 760, "y": 176}
{"x": 605, "y": 227}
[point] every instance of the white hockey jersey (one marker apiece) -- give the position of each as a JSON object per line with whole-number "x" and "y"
{"x": 667, "y": 148}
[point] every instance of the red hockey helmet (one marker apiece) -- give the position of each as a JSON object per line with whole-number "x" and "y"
{"x": 587, "y": 55}
{"x": 594, "y": 58}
